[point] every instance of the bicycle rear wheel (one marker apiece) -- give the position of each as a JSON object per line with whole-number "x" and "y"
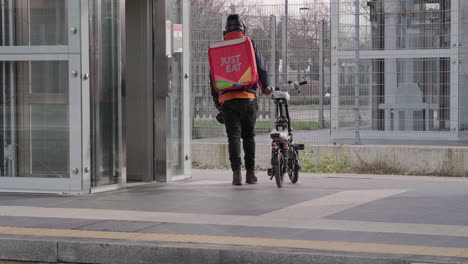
{"x": 278, "y": 171}
{"x": 294, "y": 175}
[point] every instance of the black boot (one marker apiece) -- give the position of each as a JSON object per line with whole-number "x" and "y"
{"x": 250, "y": 177}
{"x": 236, "y": 177}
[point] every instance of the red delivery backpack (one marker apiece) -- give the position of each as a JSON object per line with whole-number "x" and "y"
{"x": 233, "y": 65}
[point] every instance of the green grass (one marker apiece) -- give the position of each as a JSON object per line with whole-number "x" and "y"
{"x": 207, "y": 123}
{"x": 306, "y": 106}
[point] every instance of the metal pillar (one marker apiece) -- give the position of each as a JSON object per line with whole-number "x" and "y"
{"x": 3, "y": 21}
{"x": 187, "y": 88}
{"x": 12, "y": 146}
{"x": 233, "y": 8}
{"x": 285, "y": 39}
{"x": 284, "y": 50}
{"x": 335, "y": 6}
{"x": 272, "y": 69}
{"x": 357, "y": 138}
{"x": 223, "y": 24}
{"x": 391, "y": 8}
{"x": 3, "y": 171}
{"x": 457, "y": 11}
{"x": 321, "y": 73}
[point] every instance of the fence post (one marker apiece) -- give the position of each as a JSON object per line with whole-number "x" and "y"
{"x": 285, "y": 39}
{"x": 272, "y": 69}
{"x": 223, "y": 24}
{"x": 357, "y": 139}
{"x": 334, "y": 69}
{"x": 233, "y": 8}
{"x": 284, "y": 51}
{"x": 321, "y": 73}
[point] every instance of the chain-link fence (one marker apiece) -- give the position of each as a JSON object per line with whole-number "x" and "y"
{"x": 378, "y": 71}
{"x": 307, "y": 58}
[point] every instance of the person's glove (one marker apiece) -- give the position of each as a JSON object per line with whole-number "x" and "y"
{"x": 267, "y": 90}
{"x": 217, "y": 105}
{"x": 220, "y": 118}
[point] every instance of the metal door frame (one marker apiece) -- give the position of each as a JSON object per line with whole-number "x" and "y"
{"x": 73, "y": 54}
{"x": 162, "y": 75}
{"x": 187, "y": 71}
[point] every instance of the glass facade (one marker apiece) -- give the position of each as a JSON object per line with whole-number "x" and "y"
{"x": 34, "y": 23}
{"x": 62, "y": 94}
{"x": 40, "y": 95}
{"x": 35, "y": 118}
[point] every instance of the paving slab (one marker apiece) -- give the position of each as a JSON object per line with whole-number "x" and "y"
{"x": 432, "y": 209}
{"x": 361, "y": 215}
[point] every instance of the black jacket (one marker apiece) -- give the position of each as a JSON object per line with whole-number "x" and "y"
{"x": 261, "y": 69}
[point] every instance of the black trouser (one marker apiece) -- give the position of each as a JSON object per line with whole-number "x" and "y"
{"x": 240, "y": 116}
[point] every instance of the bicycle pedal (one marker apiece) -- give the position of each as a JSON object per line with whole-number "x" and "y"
{"x": 270, "y": 172}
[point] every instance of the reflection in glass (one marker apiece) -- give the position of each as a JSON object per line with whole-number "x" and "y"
{"x": 33, "y": 22}
{"x": 49, "y": 139}
{"x": 57, "y": 85}
{"x": 104, "y": 50}
{"x": 34, "y": 132}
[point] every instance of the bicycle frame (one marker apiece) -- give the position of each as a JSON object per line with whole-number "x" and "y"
{"x": 282, "y": 108}
{"x": 284, "y": 151}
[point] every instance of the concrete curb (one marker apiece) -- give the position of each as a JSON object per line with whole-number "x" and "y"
{"x": 28, "y": 250}
{"x": 58, "y": 250}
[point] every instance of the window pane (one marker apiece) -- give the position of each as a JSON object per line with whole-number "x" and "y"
{"x": 49, "y": 139}
{"x": 34, "y": 23}
{"x": 41, "y": 85}
{"x": 34, "y": 119}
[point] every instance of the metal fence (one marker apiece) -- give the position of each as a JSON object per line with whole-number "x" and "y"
{"x": 378, "y": 71}
{"x": 307, "y": 54}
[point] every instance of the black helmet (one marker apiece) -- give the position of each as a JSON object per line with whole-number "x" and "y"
{"x": 234, "y": 23}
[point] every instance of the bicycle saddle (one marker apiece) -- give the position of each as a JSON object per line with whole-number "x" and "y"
{"x": 280, "y": 95}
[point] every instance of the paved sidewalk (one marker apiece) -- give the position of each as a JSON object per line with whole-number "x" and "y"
{"x": 322, "y": 219}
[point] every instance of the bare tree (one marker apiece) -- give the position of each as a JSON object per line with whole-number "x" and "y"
{"x": 203, "y": 6}
{"x": 304, "y": 38}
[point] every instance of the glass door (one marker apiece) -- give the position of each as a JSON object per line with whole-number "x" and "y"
{"x": 180, "y": 97}
{"x": 105, "y": 33}
{"x": 40, "y": 95}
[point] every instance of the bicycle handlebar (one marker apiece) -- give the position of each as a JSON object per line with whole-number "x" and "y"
{"x": 291, "y": 86}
